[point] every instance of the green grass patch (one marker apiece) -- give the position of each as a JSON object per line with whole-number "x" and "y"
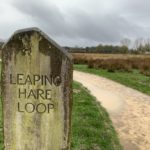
{"x": 132, "y": 79}
{"x": 91, "y": 127}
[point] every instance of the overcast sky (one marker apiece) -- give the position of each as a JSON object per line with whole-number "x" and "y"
{"x": 78, "y": 22}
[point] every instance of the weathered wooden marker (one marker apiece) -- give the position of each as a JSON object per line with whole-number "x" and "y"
{"x": 36, "y": 91}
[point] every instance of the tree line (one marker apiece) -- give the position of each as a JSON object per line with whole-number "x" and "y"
{"x": 139, "y": 46}
{"x": 1, "y": 44}
{"x": 98, "y": 49}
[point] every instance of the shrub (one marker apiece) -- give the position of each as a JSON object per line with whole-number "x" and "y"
{"x": 145, "y": 67}
{"x": 115, "y": 62}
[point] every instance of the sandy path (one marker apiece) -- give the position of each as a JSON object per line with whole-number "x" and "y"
{"x": 128, "y": 109}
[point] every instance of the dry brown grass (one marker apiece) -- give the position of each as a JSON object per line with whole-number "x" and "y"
{"x": 113, "y": 62}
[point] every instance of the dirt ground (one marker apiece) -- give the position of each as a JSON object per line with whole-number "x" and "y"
{"x": 129, "y": 109}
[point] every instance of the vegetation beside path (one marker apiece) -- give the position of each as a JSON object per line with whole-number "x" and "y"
{"x": 91, "y": 127}
{"x": 133, "y": 79}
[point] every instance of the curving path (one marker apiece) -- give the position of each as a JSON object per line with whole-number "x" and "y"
{"x": 129, "y": 109}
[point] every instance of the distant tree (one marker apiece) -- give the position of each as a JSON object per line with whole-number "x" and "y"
{"x": 142, "y": 45}
{"x": 1, "y": 44}
{"x": 147, "y": 45}
{"x": 138, "y": 44}
{"x": 126, "y": 42}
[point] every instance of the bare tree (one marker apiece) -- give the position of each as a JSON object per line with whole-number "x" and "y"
{"x": 125, "y": 42}
{"x": 147, "y": 45}
{"x": 138, "y": 44}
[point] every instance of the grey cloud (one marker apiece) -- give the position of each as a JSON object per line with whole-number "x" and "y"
{"x": 107, "y": 28}
{"x": 139, "y": 7}
{"x": 136, "y": 10}
{"x": 75, "y": 24}
{"x": 46, "y": 15}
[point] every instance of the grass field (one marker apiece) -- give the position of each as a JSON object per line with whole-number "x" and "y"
{"x": 115, "y": 62}
{"x": 132, "y": 79}
{"x": 106, "y": 56}
{"x": 91, "y": 126}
